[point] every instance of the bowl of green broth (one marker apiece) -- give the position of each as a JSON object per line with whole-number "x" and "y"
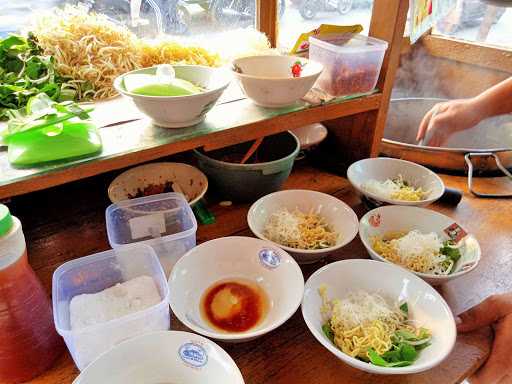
{"x": 174, "y": 102}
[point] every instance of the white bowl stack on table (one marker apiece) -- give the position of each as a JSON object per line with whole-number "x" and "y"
{"x": 236, "y": 258}
{"x": 383, "y": 168}
{"x": 425, "y": 306}
{"x": 163, "y": 357}
{"x": 179, "y": 111}
{"x": 338, "y": 215}
{"x": 393, "y": 219}
{"x": 269, "y": 82}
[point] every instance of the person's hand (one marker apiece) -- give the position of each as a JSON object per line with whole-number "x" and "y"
{"x": 496, "y": 311}
{"x": 447, "y": 118}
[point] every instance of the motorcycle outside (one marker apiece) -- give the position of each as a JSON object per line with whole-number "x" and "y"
{"x": 309, "y": 8}
{"x": 238, "y": 13}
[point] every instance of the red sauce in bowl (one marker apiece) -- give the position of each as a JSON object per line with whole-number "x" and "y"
{"x": 234, "y": 305}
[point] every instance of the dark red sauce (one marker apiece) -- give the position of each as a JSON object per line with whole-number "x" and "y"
{"x": 234, "y": 306}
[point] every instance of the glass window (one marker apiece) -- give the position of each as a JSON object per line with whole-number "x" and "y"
{"x": 185, "y": 19}
{"x": 478, "y": 21}
{"x": 301, "y": 16}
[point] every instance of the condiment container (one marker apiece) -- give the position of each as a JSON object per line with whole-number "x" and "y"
{"x": 351, "y": 62}
{"x": 95, "y": 273}
{"x": 164, "y": 221}
{"x": 28, "y": 342}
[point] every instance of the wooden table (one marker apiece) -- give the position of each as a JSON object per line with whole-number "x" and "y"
{"x": 67, "y": 222}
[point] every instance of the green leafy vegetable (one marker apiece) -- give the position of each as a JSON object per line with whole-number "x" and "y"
{"x": 376, "y": 359}
{"x": 405, "y": 335}
{"x": 404, "y": 351}
{"x": 405, "y": 308}
{"x": 326, "y": 329}
{"x": 408, "y": 352}
{"x": 26, "y": 72}
{"x": 449, "y": 251}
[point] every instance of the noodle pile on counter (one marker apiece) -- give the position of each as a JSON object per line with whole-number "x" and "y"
{"x": 170, "y": 52}
{"x": 363, "y": 325}
{"x": 88, "y": 48}
{"x": 92, "y": 51}
{"x": 299, "y": 230}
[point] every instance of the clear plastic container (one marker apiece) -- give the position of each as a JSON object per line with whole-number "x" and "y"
{"x": 351, "y": 62}
{"x": 165, "y": 222}
{"x": 92, "y": 274}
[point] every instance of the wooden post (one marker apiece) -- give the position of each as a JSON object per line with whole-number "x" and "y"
{"x": 359, "y": 136}
{"x": 382, "y": 27}
{"x": 266, "y": 19}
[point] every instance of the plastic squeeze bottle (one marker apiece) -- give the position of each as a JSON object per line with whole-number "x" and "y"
{"x": 29, "y": 343}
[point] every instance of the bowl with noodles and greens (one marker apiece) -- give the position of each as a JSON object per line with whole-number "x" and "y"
{"x": 385, "y": 181}
{"x": 433, "y": 246}
{"x": 393, "y": 325}
{"x": 309, "y": 225}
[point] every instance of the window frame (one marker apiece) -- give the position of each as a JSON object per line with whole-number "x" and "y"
{"x": 470, "y": 52}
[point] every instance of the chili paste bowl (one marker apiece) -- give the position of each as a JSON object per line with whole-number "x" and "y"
{"x": 211, "y": 288}
{"x": 425, "y": 307}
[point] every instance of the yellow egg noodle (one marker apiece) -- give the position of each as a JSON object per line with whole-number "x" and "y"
{"x": 299, "y": 230}
{"x": 92, "y": 50}
{"x": 414, "y": 250}
{"x": 362, "y": 321}
{"x": 396, "y": 189}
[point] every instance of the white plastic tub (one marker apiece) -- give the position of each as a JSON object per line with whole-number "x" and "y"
{"x": 351, "y": 62}
{"x": 164, "y": 221}
{"x": 92, "y": 274}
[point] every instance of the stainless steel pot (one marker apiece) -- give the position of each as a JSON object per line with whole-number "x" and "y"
{"x": 483, "y": 149}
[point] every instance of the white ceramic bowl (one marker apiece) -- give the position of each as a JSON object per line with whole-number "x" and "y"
{"x": 426, "y": 306}
{"x": 180, "y": 111}
{"x": 236, "y": 257}
{"x": 382, "y": 168}
{"x": 163, "y": 357}
{"x": 268, "y": 80}
{"x": 338, "y": 214}
{"x": 192, "y": 182}
{"x": 391, "y": 218}
{"x": 311, "y": 134}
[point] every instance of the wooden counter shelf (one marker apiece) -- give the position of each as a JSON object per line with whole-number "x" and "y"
{"x": 75, "y": 227}
{"x": 138, "y": 141}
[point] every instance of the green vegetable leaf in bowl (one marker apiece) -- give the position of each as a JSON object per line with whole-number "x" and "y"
{"x": 451, "y": 252}
{"x": 326, "y": 329}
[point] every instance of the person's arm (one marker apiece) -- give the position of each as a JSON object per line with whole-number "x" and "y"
{"x": 495, "y": 311}
{"x": 456, "y": 115}
{"x": 496, "y": 100}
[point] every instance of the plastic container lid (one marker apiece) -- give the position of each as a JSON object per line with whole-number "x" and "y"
{"x": 6, "y": 221}
{"x": 349, "y": 42}
{"x": 164, "y": 215}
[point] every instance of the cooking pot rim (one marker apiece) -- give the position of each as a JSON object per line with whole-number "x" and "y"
{"x": 427, "y": 148}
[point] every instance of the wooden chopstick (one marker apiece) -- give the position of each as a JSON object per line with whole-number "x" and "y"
{"x": 254, "y": 148}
